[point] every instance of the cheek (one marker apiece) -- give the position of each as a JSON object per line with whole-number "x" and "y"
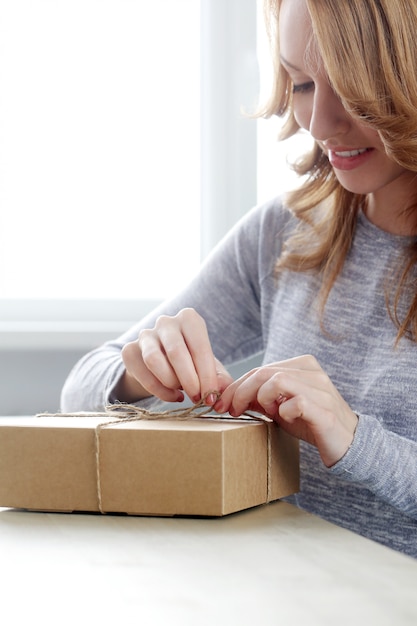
{"x": 302, "y": 113}
{"x": 373, "y": 138}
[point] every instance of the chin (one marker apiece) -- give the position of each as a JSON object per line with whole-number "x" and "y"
{"x": 357, "y": 187}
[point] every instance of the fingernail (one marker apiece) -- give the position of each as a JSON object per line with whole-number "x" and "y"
{"x": 219, "y": 407}
{"x": 196, "y": 399}
{"x": 211, "y": 399}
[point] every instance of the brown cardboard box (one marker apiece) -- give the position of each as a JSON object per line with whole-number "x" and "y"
{"x": 202, "y": 466}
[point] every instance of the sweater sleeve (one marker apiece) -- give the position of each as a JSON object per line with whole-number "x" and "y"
{"x": 227, "y": 294}
{"x": 383, "y": 462}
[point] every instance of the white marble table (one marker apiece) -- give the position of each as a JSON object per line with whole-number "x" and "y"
{"x": 270, "y": 565}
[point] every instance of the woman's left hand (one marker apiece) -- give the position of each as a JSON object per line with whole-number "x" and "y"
{"x": 300, "y": 396}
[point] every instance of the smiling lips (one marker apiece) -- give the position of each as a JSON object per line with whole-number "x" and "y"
{"x": 343, "y": 159}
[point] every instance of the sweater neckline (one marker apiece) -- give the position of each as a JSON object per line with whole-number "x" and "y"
{"x": 381, "y": 234}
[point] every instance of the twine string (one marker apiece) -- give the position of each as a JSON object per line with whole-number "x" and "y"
{"x": 131, "y": 413}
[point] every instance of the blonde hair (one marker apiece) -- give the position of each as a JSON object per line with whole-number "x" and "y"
{"x": 369, "y": 50}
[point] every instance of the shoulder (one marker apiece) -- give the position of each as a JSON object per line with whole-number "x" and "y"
{"x": 267, "y": 225}
{"x": 272, "y": 213}
{"x": 257, "y": 240}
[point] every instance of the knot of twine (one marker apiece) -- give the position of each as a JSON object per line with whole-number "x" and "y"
{"x": 132, "y": 413}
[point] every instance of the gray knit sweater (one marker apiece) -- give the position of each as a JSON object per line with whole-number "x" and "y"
{"x": 373, "y": 489}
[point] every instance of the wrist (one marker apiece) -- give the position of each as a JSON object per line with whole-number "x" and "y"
{"x": 345, "y": 442}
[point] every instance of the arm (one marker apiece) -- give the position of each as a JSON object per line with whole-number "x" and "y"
{"x": 383, "y": 462}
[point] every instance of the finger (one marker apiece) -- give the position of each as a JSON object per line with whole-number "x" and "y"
{"x": 137, "y": 369}
{"x": 210, "y": 371}
{"x": 192, "y": 358}
{"x": 240, "y": 395}
{"x": 174, "y": 364}
{"x": 153, "y": 355}
{"x": 267, "y": 386}
{"x": 304, "y": 388}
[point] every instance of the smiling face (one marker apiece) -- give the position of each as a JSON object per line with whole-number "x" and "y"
{"x": 355, "y": 151}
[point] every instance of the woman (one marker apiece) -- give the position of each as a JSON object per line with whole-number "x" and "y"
{"x": 324, "y": 283}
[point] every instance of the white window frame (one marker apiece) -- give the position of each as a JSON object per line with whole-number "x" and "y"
{"x": 229, "y": 78}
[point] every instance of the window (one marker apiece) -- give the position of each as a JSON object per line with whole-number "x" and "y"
{"x": 99, "y": 148}
{"x": 124, "y": 156}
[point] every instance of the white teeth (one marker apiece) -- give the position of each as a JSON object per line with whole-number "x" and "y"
{"x": 351, "y": 153}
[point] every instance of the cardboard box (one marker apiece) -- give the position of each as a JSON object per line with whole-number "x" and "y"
{"x": 199, "y": 467}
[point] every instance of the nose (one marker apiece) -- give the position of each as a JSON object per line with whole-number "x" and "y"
{"x": 329, "y": 118}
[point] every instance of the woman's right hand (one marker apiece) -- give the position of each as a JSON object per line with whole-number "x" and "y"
{"x": 173, "y": 357}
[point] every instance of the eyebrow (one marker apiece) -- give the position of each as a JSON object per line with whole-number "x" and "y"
{"x": 288, "y": 64}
